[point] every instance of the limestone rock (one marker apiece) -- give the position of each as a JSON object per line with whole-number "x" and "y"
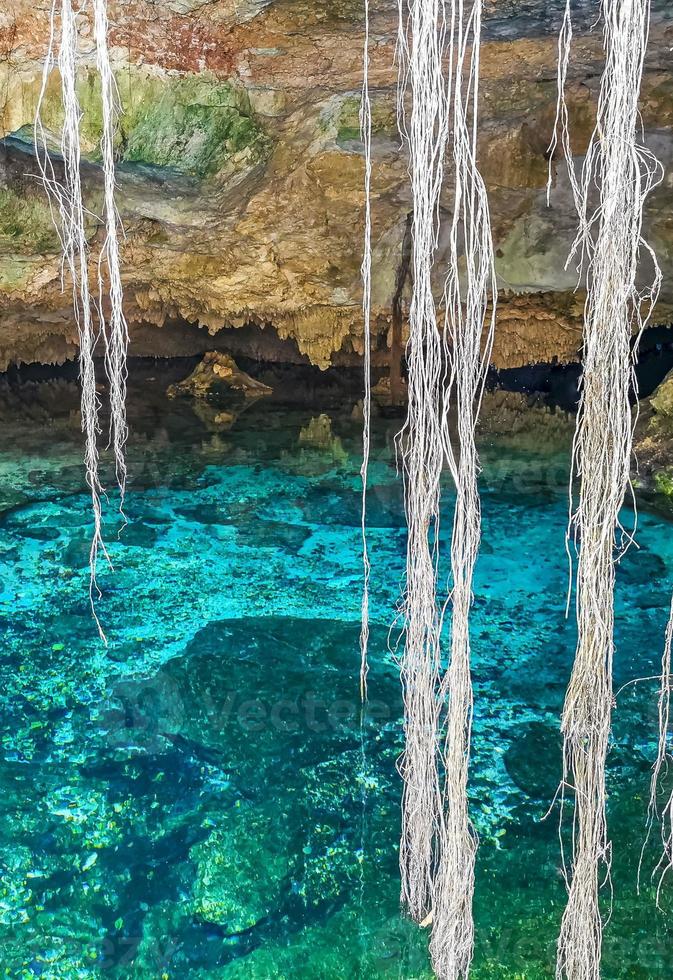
{"x": 382, "y": 392}
{"x": 653, "y": 443}
{"x": 241, "y": 174}
{"x": 215, "y": 374}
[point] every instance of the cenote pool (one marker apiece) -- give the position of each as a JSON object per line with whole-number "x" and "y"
{"x": 196, "y": 800}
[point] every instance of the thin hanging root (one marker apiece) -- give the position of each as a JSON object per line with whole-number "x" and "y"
{"x": 609, "y": 241}
{"x": 117, "y": 342}
{"x": 421, "y": 46}
{"x": 468, "y": 337}
{"x": 366, "y": 131}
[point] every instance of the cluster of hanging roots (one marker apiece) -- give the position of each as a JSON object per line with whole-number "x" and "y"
{"x": 366, "y": 271}
{"x": 468, "y": 338}
{"x": 70, "y": 217}
{"x": 438, "y": 48}
{"x": 609, "y": 244}
{"x": 447, "y": 359}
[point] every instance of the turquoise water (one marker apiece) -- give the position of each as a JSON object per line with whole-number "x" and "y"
{"x": 193, "y": 801}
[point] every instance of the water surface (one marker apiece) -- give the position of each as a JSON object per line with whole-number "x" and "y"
{"x": 194, "y": 801}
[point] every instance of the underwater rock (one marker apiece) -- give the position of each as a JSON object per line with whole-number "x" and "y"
{"x": 215, "y": 375}
{"x": 533, "y": 761}
{"x": 640, "y": 567}
{"x": 138, "y": 534}
{"x": 273, "y": 534}
{"x": 242, "y": 867}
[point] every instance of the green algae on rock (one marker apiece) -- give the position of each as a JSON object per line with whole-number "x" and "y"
{"x": 196, "y": 124}
{"x": 344, "y": 115}
{"x": 25, "y": 223}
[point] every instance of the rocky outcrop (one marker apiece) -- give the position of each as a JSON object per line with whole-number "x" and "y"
{"x": 241, "y": 174}
{"x": 217, "y": 374}
{"x": 653, "y": 443}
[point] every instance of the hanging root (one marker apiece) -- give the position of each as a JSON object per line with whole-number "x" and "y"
{"x": 665, "y": 814}
{"x": 468, "y": 338}
{"x": 421, "y": 46}
{"x": 446, "y": 369}
{"x": 71, "y": 227}
{"x": 586, "y": 732}
{"x": 366, "y": 270}
{"x": 452, "y": 940}
{"x": 117, "y": 342}
{"x": 68, "y": 212}
{"x": 608, "y": 243}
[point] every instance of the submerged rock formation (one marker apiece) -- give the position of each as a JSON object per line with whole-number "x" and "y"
{"x": 241, "y": 175}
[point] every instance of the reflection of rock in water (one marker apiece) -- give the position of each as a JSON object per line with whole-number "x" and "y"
{"x": 526, "y": 419}
{"x": 318, "y": 433}
{"x": 320, "y": 450}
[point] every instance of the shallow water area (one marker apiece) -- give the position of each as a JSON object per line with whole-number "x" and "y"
{"x": 199, "y": 799}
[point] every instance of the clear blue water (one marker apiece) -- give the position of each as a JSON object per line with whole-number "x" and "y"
{"x": 192, "y": 801}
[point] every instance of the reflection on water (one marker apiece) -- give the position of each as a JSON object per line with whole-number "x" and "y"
{"x": 198, "y": 800}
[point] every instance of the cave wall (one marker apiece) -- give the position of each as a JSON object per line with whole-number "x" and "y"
{"x": 241, "y": 172}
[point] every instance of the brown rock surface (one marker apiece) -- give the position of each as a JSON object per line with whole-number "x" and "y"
{"x": 240, "y": 182}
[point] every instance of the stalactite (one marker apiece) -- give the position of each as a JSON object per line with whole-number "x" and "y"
{"x": 609, "y": 244}
{"x": 468, "y": 336}
{"x": 69, "y": 214}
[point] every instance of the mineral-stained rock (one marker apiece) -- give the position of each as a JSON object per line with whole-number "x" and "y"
{"x": 215, "y": 374}
{"x": 241, "y": 173}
